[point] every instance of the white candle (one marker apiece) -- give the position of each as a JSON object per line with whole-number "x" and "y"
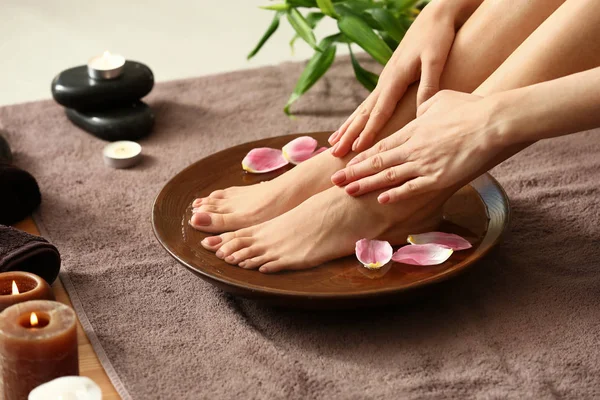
{"x": 106, "y": 66}
{"x": 67, "y": 388}
{"x": 122, "y": 154}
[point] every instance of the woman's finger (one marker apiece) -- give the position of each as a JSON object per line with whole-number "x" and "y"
{"x": 395, "y": 140}
{"x": 429, "y": 85}
{"x": 360, "y": 120}
{"x": 392, "y": 176}
{"x": 381, "y": 114}
{"x": 407, "y": 190}
{"x": 335, "y": 137}
{"x": 368, "y": 167}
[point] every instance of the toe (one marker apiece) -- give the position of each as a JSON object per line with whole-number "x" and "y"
{"x": 198, "y": 202}
{"x": 220, "y": 209}
{"x": 243, "y": 254}
{"x": 212, "y": 222}
{"x": 214, "y": 243}
{"x": 272, "y": 266}
{"x": 253, "y": 263}
{"x": 234, "y": 245}
{"x": 218, "y": 194}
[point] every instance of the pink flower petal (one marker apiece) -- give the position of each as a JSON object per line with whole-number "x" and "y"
{"x": 300, "y": 149}
{"x": 373, "y": 254}
{"x": 449, "y": 240}
{"x": 262, "y": 160}
{"x": 422, "y": 254}
{"x": 319, "y": 151}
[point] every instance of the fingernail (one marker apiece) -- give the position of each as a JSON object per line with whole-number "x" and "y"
{"x": 355, "y": 144}
{"x": 333, "y": 136}
{"x": 352, "y": 188}
{"x": 334, "y": 148}
{"x": 338, "y": 177}
{"x": 219, "y": 254}
{"x": 212, "y": 240}
{"x": 202, "y": 219}
{"x": 383, "y": 198}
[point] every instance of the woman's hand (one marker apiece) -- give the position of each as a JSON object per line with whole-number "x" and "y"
{"x": 454, "y": 136}
{"x": 420, "y": 56}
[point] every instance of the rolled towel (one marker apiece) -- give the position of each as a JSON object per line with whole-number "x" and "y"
{"x": 19, "y": 194}
{"x": 20, "y": 251}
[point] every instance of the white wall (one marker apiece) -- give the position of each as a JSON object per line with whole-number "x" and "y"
{"x": 176, "y": 38}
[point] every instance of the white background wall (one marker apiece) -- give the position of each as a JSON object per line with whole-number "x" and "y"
{"x": 176, "y": 38}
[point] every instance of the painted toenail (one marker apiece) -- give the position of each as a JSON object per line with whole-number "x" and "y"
{"x": 338, "y": 177}
{"x": 352, "y": 188}
{"x": 219, "y": 254}
{"x": 212, "y": 240}
{"x": 201, "y": 219}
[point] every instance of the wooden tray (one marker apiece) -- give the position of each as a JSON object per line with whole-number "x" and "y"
{"x": 479, "y": 211}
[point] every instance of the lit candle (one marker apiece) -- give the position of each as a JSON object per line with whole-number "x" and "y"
{"x": 67, "y": 388}
{"x": 38, "y": 343}
{"x": 17, "y": 287}
{"x": 106, "y": 66}
{"x": 122, "y": 154}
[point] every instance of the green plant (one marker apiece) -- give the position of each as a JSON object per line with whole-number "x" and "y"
{"x": 377, "y": 26}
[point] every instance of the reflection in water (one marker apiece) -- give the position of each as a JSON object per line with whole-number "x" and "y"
{"x": 374, "y": 273}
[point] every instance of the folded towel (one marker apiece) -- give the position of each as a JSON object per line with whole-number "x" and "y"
{"x": 5, "y": 153}
{"x": 19, "y": 194}
{"x": 20, "y": 251}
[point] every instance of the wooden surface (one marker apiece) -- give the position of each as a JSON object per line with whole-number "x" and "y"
{"x": 339, "y": 283}
{"x": 89, "y": 365}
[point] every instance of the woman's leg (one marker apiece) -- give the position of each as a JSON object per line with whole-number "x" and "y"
{"x": 485, "y": 40}
{"x": 328, "y": 224}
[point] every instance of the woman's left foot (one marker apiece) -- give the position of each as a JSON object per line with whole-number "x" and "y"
{"x": 324, "y": 227}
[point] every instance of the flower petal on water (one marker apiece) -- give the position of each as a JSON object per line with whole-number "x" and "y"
{"x": 449, "y": 240}
{"x": 422, "y": 254}
{"x": 263, "y": 159}
{"x": 373, "y": 254}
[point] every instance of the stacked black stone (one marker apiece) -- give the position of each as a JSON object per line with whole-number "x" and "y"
{"x": 107, "y": 108}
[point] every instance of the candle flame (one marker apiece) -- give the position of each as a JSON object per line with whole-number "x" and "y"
{"x": 15, "y": 288}
{"x": 33, "y": 319}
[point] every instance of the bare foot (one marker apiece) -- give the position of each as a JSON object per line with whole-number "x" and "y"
{"x": 242, "y": 206}
{"x": 324, "y": 227}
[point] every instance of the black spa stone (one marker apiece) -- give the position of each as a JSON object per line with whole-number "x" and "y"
{"x": 5, "y": 153}
{"x": 20, "y": 194}
{"x": 131, "y": 122}
{"x": 73, "y": 87}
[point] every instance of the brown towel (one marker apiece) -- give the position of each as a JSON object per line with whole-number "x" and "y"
{"x": 20, "y": 251}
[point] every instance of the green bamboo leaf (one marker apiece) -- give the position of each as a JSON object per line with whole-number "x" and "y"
{"x": 302, "y": 28}
{"x": 314, "y": 70}
{"x": 327, "y": 7}
{"x": 350, "y": 8}
{"x": 302, "y": 3}
{"x": 276, "y": 7}
{"x": 391, "y": 25}
{"x": 392, "y": 44}
{"x": 270, "y": 30}
{"x": 313, "y": 20}
{"x": 366, "y": 78}
{"x": 360, "y": 33}
{"x": 402, "y": 5}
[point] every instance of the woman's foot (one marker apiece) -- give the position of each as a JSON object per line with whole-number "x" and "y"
{"x": 242, "y": 206}
{"x": 324, "y": 227}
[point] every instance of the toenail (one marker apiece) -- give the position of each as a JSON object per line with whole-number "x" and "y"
{"x": 212, "y": 240}
{"x": 219, "y": 254}
{"x": 352, "y": 188}
{"x": 230, "y": 259}
{"x": 201, "y": 219}
{"x": 338, "y": 177}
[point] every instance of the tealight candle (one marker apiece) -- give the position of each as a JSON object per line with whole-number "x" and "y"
{"x": 122, "y": 154}
{"x": 106, "y": 66}
{"x": 18, "y": 286}
{"x": 38, "y": 343}
{"x": 67, "y": 388}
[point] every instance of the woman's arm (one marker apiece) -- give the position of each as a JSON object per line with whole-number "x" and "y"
{"x": 456, "y": 135}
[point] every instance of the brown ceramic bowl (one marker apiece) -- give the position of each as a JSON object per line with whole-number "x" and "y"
{"x": 479, "y": 212}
